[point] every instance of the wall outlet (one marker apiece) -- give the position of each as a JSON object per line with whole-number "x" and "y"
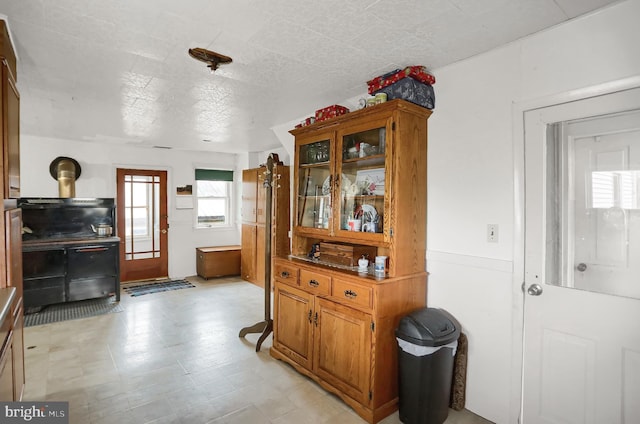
{"x": 492, "y": 233}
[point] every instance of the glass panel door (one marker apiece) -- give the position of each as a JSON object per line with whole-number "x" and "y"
{"x": 363, "y": 181}
{"x": 142, "y": 224}
{"x": 314, "y": 185}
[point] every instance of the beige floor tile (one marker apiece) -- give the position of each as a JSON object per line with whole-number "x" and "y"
{"x": 151, "y": 411}
{"x": 249, "y": 414}
{"x": 174, "y": 358}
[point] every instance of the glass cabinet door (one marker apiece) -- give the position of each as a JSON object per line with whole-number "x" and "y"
{"x": 363, "y": 181}
{"x": 314, "y": 185}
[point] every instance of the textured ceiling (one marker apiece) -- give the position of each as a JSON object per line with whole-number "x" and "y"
{"x": 118, "y": 71}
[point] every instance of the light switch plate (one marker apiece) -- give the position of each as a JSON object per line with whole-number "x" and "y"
{"x": 492, "y": 233}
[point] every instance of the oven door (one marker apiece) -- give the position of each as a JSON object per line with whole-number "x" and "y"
{"x": 44, "y": 277}
{"x": 92, "y": 271}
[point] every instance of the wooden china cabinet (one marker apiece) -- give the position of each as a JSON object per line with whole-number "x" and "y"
{"x": 359, "y": 185}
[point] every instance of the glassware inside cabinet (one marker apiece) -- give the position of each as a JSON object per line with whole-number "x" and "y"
{"x": 314, "y": 186}
{"x": 362, "y": 186}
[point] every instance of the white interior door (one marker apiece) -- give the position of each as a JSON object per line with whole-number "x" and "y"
{"x": 581, "y": 348}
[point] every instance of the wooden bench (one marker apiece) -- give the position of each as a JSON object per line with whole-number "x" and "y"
{"x": 217, "y": 261}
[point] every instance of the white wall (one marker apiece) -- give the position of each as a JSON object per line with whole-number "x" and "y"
{"x": 98, "y": 179}
{"x": 471, "y": 182}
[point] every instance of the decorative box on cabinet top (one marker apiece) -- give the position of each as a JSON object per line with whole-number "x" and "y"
{"x": 418, "y": 73}
{"x": 330, "y": 112}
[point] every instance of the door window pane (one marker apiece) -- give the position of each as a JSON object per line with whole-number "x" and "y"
{"x": 593, "y": 212}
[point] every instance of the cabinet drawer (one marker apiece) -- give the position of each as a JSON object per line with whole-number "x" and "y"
{"x": 286, "y": 273}
{"x": 314, "y": 282}
{"x": 349, "y": 292}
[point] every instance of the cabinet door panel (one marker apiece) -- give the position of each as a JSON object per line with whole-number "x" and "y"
{"x": 249, "y": 195}
{"x": 11, "y": 116}
{"x": 13, "y": 250}
{"x": 18, "y": 355}
{"x": 294, "y": 320}
{"x": 343, "y": 349}
{"x": 6, "y": 371}
{"x": 313, "y": 184}
{"x": 364, "y": 187}
{"x": 260, "y": 252}
{"x": 248, "y": 256}
{"x": 261, "y": 197}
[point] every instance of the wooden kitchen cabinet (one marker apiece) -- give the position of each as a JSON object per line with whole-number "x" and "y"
{"x": 10, "y": 105}
{"x": 332, "y": 323}
{"x": 12, "y": 375}
{"x": 253, "y": 220}
{"x": 338, "y": 328}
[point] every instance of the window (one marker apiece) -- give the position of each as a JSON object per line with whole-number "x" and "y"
{"x": 140, "y": 208}
{"x": 213, "y": 191}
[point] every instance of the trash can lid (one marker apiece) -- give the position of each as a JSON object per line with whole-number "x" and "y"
{"x": 428, "y": 327}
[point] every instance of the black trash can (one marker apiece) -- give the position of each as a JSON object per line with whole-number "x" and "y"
{"x": 427, "y": 342}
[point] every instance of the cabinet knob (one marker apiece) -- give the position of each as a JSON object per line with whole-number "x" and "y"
{"x": 284, "y": 274}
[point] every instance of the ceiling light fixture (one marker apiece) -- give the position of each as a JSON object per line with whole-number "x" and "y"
{"x": 212, "y": 58}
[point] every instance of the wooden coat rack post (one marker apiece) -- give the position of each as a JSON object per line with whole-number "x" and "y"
{"x": 266, "y": 327}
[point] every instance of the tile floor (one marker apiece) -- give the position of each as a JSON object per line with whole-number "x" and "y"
{"x": 175, "y": 357}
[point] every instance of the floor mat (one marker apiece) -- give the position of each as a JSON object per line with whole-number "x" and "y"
{"x": 142, "y": 289}
{"x": 72, "y": 310}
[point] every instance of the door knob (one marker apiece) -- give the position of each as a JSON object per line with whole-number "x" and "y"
{"x": 581, "y": 267}
{"x": 534, "y": 290}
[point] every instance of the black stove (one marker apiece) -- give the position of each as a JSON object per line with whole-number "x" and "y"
{"x": 64, "y": 259}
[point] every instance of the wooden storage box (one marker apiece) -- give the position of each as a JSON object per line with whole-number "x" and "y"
{"x": 345, "y": 254}
{"x": 217, "y": 261}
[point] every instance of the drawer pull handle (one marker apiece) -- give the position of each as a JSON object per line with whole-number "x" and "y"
{"x": 350, "y": 294}
{"x": 314, "y": 283}
{"x": 284, "y": 274}
{"x": 309, "y": 317}
{"x": 92, "y": 249}
{"x": 315, "y": 320}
